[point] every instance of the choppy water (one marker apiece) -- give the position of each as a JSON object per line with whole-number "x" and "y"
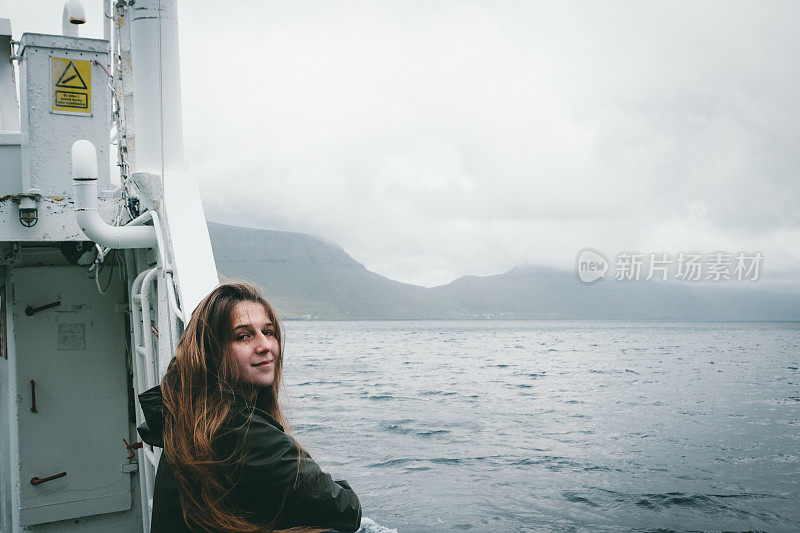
{"x": 554, "y": 426}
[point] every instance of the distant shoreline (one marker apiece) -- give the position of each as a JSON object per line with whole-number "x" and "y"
{"x": 307, "y": 278}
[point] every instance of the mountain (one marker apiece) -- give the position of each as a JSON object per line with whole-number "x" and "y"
{"x": 307, "y": 277}
{"x": 541, "y": 293}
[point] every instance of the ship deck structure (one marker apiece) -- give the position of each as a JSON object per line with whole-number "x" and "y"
{"x": 96, "y": 280}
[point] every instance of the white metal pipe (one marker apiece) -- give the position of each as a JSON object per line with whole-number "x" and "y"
{"x": 141, "y": 367}
{"x": 147, "y": 335}
{"x": 169, "y": 325}
{"x": 105, "y": 69}
{"x": 165, "y": 350}
{"x": 175, "y": 337}
{"x": 96, "y": 229}
{"x": 173, "y": 303}
{"x": 108, "y": 17}
{"x": 133, "y": 263}
{"x": 149, "y": 476}
{"x": 150, "y": 457}
{"x": 161, "y": 249}
{"x": 156, "y": 86}
{"x": 84, "y": 184}
{"x": 9, "y": 105}
{"x": 162, "y": 261}
{"x": 136, "y": 319}
{"x": 138, "y": 378}
{"x": 72, "y": 16}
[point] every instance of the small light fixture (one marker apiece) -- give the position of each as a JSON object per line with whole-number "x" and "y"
{"x": 28, "y": 212}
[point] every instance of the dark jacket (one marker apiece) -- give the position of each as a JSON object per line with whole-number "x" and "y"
{"x": 266, "y": 472}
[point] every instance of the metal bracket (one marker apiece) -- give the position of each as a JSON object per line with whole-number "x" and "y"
{"x": 132, "y": 447}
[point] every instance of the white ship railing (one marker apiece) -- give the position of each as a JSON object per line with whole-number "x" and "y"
{"x": 147, "y": 366}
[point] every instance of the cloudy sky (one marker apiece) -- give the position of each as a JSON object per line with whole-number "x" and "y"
{"x": 437, "y": 139}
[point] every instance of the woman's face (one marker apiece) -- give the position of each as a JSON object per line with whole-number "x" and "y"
{"x": 254, "y": 348}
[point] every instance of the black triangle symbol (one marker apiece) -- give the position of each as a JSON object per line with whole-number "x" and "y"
{"x": 70, "y": 78}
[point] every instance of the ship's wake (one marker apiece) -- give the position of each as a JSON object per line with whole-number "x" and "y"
{"x": 370, "y": 526}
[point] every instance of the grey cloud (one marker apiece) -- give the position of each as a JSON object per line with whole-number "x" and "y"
{"x": 451, "y": 138}
{"x": 436, "y": 139}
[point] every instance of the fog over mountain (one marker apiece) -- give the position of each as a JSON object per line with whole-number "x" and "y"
{"x": 307, "y": 277}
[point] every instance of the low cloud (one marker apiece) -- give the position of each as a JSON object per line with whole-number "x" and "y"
{"x": 439, "y": 139}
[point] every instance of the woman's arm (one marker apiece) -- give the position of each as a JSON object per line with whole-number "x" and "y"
{"x": 317, "y": 500}
{"x": 268, "y": 479}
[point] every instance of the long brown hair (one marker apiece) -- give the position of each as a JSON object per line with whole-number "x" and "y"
{"x": 198, "y": 393}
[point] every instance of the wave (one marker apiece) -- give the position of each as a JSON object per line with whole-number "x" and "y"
{"x": 370, "y": 526}
{"x": 380, "y": 397}
{"x": 707, "y": 503}
{"x": 417, "y": 461}
{"x": 310, "y": 427}
{"x": 433, "y": 432}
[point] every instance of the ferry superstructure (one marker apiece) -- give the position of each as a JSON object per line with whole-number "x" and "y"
{"x": 96, "y": 281}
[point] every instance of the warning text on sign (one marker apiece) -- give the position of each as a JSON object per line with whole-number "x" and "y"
{"x": 72, "y": 100}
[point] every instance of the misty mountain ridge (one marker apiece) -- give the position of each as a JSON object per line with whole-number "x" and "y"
{"x": 306, "y": 277}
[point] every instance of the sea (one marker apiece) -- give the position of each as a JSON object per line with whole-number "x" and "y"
{"x": 553, "y": 425}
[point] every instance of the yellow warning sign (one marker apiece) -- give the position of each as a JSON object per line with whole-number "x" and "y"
{"x": 71, "y": 85}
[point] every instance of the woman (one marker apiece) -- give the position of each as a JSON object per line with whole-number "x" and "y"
{"x": 228, "y": 464}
